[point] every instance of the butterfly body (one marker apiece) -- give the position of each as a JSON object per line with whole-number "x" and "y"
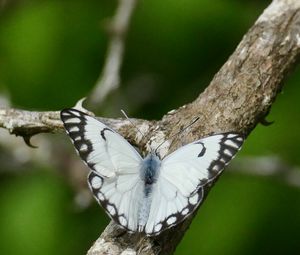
{"x": 149, "y": 172}
{"x": 148, "y": 194}
{"x": 150, "y": 169}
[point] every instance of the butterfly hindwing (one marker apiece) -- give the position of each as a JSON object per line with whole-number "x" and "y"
{"x": 183, "y": 174}
{"x": 119, "y": 197}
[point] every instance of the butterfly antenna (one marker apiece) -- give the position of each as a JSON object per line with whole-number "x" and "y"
{"x": 124, "y": 113}
{"x": 180, "y": 131}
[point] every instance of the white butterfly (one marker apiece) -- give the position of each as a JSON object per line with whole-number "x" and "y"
{"x": 148, "y": 194}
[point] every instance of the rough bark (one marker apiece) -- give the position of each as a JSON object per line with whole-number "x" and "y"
{"x": 238, "y": 98}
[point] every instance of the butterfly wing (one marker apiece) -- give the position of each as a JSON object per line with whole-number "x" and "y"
{"x": 115, "y": 177}
{"x": 100, "y": 147}
{"x": 183, "y": 174}
{"x": 119, "y": 196}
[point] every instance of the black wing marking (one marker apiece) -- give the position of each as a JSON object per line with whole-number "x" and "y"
{"x": 230, "y": 144}
{"x": 100, "y": 147}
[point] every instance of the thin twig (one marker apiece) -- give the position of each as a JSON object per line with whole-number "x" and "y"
{"x": 109, "y": 79}
{"x": 28, "y": 123}
{"x": 270, "y": 166}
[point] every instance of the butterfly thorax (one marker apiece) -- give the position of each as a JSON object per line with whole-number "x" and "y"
{"x": 150, "y": 169}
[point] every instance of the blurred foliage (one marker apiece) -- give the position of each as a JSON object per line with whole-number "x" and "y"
{"x": 52, "y": 52}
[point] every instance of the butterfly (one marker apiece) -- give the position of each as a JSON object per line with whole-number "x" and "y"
{"x": 150, "y": 194}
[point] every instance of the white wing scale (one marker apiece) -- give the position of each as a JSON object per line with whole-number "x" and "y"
{"x": 116, "y": 182}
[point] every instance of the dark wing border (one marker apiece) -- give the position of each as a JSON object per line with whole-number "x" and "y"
{"x": 76, "y": 131}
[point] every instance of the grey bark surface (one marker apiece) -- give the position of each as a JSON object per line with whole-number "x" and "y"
{"x": 237, "y": 99}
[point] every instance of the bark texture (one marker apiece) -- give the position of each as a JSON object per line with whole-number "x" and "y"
{"x": 238, "y": 98}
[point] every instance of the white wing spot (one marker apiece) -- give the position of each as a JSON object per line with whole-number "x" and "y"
{"x": 231, "y": 143}
{"x": 123, "y": 220}
{"x": 231, "y": 135}
{"x": 75, "y": 113}
{"x": 83, "y": 147}
{"x": 240, "y": 139}
{"x": 194, "y": 199}
{"x": 185, "y": 211}
{"x": 111, "y": 210}
{"x": 171, "y": 220}
{"x": 216, "y": 168}
{"x": 100, "y": 196}
{"x": 72, "y": 120}
{"x": 222, "y": 160}
{"x": 96, "y": 182}
{"x": 74, "y": 129}
{"x": 77, "y": 138}
{"x": 158, "y": 227}
{"x": 65, "y": 114}
{"x": 227, "y": 152}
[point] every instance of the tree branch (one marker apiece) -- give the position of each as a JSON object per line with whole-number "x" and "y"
{"x": 27, "y": 123}
{"x": 238, "y": 98}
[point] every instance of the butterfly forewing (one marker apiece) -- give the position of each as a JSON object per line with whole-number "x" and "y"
{"x": 101, "y": 148}
{"x": 184, "y": 173}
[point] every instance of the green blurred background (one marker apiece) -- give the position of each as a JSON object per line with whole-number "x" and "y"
{"x": 51, "y": 54}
